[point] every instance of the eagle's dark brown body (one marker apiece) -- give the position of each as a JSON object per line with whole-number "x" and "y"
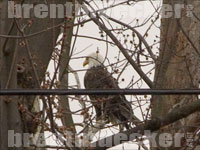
{"x": 113, "y": 107}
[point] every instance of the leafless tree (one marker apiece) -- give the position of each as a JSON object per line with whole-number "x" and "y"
{"x": 29, "y": 45}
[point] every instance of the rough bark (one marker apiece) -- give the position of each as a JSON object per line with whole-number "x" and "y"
{"x": 9, "y": 115}
{"x": 40, "y": 48}
{"x": 178, "y": 66}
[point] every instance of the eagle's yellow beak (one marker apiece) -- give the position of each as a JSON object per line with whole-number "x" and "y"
{"x": 85, "y": 62}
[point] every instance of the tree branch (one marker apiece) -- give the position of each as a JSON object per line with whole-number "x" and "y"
{"x": 136, "y": 32}
{"x": 119, "y": 45}
{"x": 151, "y": 125}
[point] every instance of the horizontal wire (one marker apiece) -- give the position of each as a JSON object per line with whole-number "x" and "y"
{"x": 99, "y": 91}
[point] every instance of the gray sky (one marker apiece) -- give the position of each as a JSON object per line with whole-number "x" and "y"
{"x": 126, "y": 14}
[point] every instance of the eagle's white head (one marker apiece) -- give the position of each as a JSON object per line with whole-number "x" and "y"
{"x": 93, "y": 60}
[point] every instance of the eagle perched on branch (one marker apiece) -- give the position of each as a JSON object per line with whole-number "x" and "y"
{"x": 113, "y": 108}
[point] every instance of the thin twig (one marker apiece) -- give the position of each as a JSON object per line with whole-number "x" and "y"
{"x": 138, "y": 34}
{"x": 119, "y": 45}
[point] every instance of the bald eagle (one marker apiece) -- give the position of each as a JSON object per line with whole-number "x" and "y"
{"x": 113, "y": 108}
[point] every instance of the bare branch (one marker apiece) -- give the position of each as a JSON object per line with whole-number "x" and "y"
{"x": 135, "y": 31}
{"x": 150, "y": 125}
{"x": 119, "y": 45}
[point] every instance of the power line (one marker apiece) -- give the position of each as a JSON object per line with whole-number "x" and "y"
{"x": 99, "y": 92}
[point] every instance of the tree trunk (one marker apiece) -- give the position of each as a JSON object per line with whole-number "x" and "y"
{"x": 10, "y": 119}
{"x": 25, "y": 61}
{"x": 178, "y": 67}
